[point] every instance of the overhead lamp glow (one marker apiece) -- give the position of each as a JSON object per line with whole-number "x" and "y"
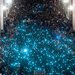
{"x": 71, "y": 8}
{"x": 8, "y": 2}
{"x": 65, "y": 1}
{"x": 4, "y": 8}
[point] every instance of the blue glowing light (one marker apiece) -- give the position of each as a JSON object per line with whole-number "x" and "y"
{"x": 25, "y": 50}
{"x": 58, "y": 37}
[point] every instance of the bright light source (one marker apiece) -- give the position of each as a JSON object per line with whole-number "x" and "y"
{"x": 4, "y": 8}
{"x": 8, "y": 2}
{"x": 71, "y": 8}
{"x": 65, "y": 1}
{"x": 25, "y": 50}
{"x": 5, "y": 5}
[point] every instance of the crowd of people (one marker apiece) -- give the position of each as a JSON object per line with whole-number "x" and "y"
{"x": 35, "y": 16}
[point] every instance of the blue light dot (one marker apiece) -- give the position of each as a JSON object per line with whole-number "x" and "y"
{"x": 25, "y": 50}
